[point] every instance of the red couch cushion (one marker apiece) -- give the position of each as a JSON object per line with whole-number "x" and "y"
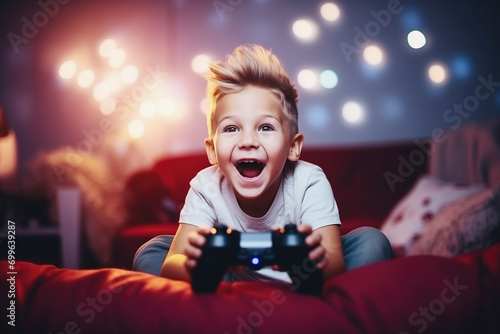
{"x": 414, "y": 294}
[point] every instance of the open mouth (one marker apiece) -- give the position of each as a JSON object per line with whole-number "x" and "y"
{"x": 250, "y": 168}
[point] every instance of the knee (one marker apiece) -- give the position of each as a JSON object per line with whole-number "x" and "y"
{"x": 150, "y": 256}
{"x": 375, "y": 244}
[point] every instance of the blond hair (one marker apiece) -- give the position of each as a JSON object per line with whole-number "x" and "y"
{"x": 251, "y": 65}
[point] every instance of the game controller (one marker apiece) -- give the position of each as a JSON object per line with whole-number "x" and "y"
{"x": 225, "y": 247}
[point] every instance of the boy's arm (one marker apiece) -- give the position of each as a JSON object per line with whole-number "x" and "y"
{"x": 330, "y": 248}
{"x": 184, "y": 251}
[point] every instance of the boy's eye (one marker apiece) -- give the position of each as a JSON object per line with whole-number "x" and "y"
{"x": 266, "y": 127}
{"x": 230, "y": 128}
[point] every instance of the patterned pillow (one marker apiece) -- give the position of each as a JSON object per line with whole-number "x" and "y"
{"x": 469, "y": 224}
{"x": 409, "y": 217}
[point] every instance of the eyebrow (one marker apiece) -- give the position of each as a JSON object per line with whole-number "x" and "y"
{"x": 279, "y": 120}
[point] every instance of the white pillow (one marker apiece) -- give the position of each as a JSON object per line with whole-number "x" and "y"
{"x": 409, "y": 217}
{"x": 468, "y": 224}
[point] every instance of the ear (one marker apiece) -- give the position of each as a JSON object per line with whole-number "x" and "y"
{"x": 296, "y": 147}
{"x": 210, "y": 148}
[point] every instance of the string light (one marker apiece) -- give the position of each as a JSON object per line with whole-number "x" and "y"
{"x": 330, "y": 12}
{"x": 67, "y": 69}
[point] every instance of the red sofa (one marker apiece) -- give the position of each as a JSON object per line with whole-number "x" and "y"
{"x": 367, "y": 182}
{"x": 416, "y": 294}
{"x": 413, "y": 294}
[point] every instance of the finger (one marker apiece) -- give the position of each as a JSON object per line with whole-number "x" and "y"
{"x": 190, "y": 263}
{"x": 196, "y": 239}
{"x": 304, "y": 228}
{"x": 204, "y": 229}
{"x": 193, "y": 252}
{"x": 313, "y": 239}
{"x": 317, "y": 253}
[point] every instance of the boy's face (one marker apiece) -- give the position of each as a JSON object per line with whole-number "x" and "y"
{"x": 252, "y": 142}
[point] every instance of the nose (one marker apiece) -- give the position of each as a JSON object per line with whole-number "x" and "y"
{"x": 248, "y": 139}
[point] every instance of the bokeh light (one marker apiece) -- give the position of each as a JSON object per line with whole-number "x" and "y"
{"x": 117, "y": 58}
{"x": 330, "y": 12}
{"x": 373, "y": 55}
{"x": 307, "y": 78}
{"x": 147, "y": 108}
{"x": 200, "y": 63}
{"x": 129, "y": 74}
{"x": 107, "y": 47}
{"x": 416, "y": 39}
{"x": 166, "y": 106}
{"x": 461, "y": 67}
{"x": 204, "y": 105}
{"x": 85, "y": 78}
{"x": 136, "y": 128}
{"x": 305, "y": 30}
{"x": 67, "y": 69}
{"x": 411, "y": 18}
{"x": 437, "y": 73}
{"x": 328, "y": 79}
{"x": 114, "y": 83}
{"x": 107, "y": 105}
{"x": 101, "y": 91}
{"x": 352, "y": 112}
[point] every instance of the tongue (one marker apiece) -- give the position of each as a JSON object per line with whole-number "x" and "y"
{"x": 250, "y": 169}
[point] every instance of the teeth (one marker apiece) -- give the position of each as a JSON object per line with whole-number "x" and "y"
{"x": 249, "y": 168}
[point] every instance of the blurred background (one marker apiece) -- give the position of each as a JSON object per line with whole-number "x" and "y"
{"x": 122, "y": 79}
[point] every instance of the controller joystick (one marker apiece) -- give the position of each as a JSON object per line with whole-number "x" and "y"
{"x": 225, "y": 247}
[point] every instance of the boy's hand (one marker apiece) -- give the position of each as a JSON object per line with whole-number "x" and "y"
{"x": 196, "y": 240}
{"x": 313, "y": 240}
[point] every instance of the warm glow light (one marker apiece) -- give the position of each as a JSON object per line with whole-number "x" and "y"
{"x": 101, "y": 91}
{"x": 113, "y": 82}
{"x": 147, "y": 108}
{"x": 416, "y": 39}
{"x": 330, "y": 11}
{"x": 373, "y": 55}
{"x": 200, "y": 63}
{"x": 129, "y": 74}
{"x": 437, "y": 73}
{"x": 85, "y": 78}
{"x": 305, "y": 29}
{"x": 328, "y": 79}
{"x": 67, "y": 70}
{"x": 107, "y": 47}
{"x": 117, "y": 58}
{"x": 108, "y": 105}
{"x": 136, "y": 128}
{"x": 204, "y": 105}
{"x": 307, "y": 78}
{"x": 166, "y": 106}
{"x": 352, "y": 112}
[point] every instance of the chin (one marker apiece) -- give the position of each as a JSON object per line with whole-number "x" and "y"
{"x": 249, "y": 194}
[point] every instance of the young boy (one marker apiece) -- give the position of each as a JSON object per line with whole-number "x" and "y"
{"x": 257, "y": 182}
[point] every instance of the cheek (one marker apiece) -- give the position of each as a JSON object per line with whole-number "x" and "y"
{"x": 223, "y": 149}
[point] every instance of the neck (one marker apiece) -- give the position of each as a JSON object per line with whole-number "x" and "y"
{"x": 258, "y": 207}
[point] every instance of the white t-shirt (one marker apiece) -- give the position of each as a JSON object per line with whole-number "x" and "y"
{"x": 305, "y": 196}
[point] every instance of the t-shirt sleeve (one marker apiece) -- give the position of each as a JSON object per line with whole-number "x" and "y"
{"x": 318, "y": 204}
{"x": 198, "y": 209}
